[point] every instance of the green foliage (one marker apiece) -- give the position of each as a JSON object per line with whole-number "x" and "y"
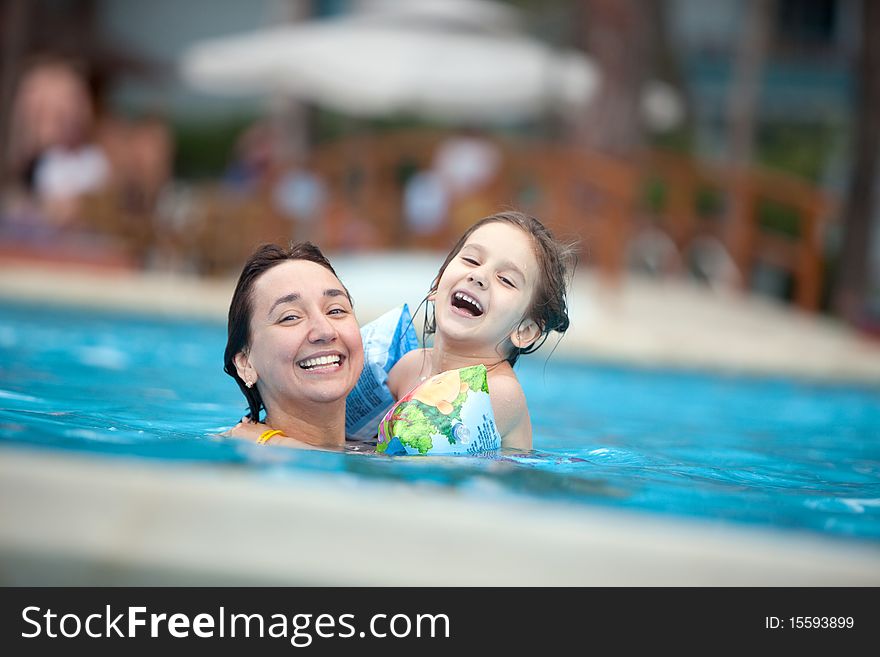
{"x": 414, "y": 428}
{"x": 441, "y": 423}
{"x": 797, "y": 148}
{"x": 778, "y": 218}
{"x": 475, "y": 378}
{"x": 204, "y": 149}
{"x": 709, "y": 201}
{"x": 678, "y": 140}
{"x": 654, "y": 193}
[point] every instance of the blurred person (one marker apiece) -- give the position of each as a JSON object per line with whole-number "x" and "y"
{"x": 467, "y": 164}
{"x": 708, "y": 260}
{"x": 345, "y": 229}
{"x": 498, "y": 294}
{"x": 300, "y": 195}
{"x": 294, "y": 348}
{"x": 254, "y": 157}
{"x": 653, "y": 252}
{"x": 425, "y": 203}
{"x": 52, "y": 140}
{"x": 140, "y": 152}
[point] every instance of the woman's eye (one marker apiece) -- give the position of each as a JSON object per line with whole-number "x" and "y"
{"x": 470, "y": 261}
{"x": 337, "y": 311}
{"x": 289, "y": 318}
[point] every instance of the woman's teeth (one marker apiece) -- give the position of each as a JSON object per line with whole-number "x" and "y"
{"x": 320, "y": 361}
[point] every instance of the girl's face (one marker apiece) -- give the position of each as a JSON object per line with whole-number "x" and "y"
{"x": 305, "y": 342}
{"x": 487, "y": 288}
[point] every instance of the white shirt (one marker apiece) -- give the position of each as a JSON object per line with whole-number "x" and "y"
{"x": 62, "y": 173}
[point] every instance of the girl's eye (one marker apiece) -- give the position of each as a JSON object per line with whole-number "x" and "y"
{"x": 507, "y": 281}
{"x": 470, "y": 260}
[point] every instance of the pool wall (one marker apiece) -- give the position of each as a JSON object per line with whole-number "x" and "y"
{"x": 69, "y": 519}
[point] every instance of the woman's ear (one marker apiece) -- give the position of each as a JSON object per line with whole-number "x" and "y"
{"x": 432, "y": 295}
{"x": 525, "y": 334}
{"x": 245, "y": 370}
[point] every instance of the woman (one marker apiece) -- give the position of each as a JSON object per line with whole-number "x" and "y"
{"x": 294, "y": 347}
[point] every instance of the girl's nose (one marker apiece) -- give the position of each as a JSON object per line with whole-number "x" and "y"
{"x": 475, "y": 277}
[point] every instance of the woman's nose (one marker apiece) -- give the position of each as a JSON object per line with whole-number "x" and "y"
{"x": 321, "y": 329}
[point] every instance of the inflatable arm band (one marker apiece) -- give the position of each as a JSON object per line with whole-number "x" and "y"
{"x": 386, "y": 340}
{"x": 450, "y": 413}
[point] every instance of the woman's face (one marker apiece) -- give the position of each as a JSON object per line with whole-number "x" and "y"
{"x": 305, "y": 345}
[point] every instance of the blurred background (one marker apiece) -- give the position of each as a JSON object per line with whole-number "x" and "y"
{"x": 717, "y": 161}
{"x": 729, "y": 142}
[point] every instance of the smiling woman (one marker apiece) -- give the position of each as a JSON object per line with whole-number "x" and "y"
{"x": 294, "y": 347}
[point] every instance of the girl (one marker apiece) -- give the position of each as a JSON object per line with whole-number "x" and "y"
{"x": 498, "y": 294}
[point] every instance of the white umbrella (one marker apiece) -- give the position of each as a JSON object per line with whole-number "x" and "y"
{"x": 372, "y": 65}
{"x": 483, "y": 15}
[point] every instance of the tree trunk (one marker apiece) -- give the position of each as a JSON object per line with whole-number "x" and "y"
{"x": 616, "y": 33}
{"x": 13, "y": 43}
{"x": 293, "y": 118}
{"x": 745, "y": 90}
{"x": 742, "y": 104}
{"x": 851, "y": 288}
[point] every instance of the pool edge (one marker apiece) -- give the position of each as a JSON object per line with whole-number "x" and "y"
{"x": 76, "y": 519}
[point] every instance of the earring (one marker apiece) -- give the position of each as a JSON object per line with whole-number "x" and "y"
{"x": 248, "y": 384}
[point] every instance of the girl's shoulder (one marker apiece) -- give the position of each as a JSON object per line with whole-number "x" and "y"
{"x": 502, "y": 372}
{"x": 504, "y": 384}
{"x": 510, "y": 408}
{"x": 407, "y": 371}
{"x": 416, "y": 354}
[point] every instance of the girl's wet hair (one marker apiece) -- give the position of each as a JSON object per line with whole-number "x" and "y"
{"x": 556, "y": 263}
{"x": 241, "y": 308}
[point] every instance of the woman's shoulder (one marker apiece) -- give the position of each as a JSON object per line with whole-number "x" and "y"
{"x": 259, "y": 434}
{"x": 245, "y": 429}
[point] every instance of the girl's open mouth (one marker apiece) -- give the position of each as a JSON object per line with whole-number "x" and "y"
{"x": 467, "y": 304}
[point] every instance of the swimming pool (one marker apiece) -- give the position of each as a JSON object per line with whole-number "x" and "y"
{"x": 723, "y": 449}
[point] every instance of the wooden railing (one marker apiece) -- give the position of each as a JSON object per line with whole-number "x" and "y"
{"x": 747, "y": 202}
{"x": 596, "y": 199}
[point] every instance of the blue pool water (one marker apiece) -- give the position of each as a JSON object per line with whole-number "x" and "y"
{"x": 766, "y": 452}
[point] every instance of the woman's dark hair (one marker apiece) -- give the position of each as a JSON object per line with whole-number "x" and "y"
{"x": 556, "y": 263}
{"x": 241, "y": 308}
